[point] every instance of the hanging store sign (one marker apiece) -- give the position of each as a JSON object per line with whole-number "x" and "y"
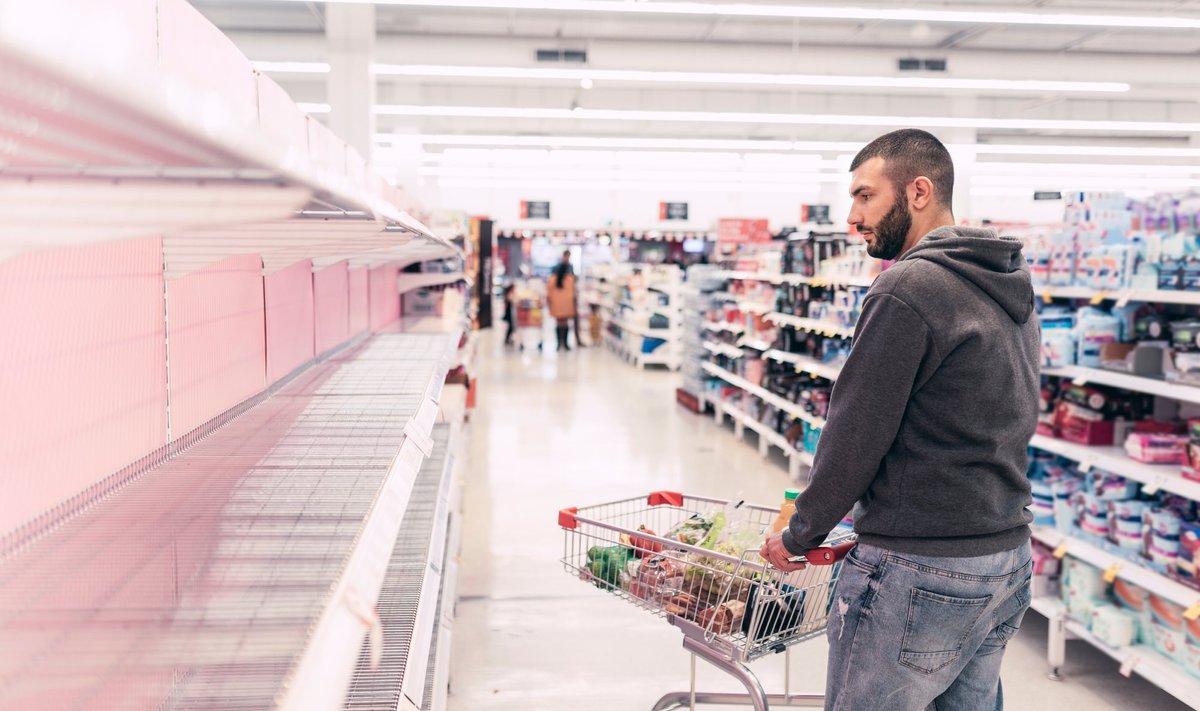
{"x": 668, "y": 211}
{"x": 815, "y": 213}
{"x": 739, "y": 230}
{"x": 535, "y": 210}
{"x": 1047, "y": 195}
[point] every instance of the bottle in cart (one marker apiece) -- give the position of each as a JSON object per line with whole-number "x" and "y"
{"x": 786, "y": 509}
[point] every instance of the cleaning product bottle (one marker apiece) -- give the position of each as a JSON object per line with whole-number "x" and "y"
{"x": 786, "y": 509}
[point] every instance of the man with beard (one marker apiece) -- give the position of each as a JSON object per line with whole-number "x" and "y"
{"x": 927, "y": 432}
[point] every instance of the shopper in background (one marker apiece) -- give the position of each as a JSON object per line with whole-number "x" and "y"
{"x": 560, "y": 295}
{"x": 510, "y": 316}
{"x": 927, "y": 430}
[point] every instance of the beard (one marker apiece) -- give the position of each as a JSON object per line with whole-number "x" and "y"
{"x": 891, "y": 232}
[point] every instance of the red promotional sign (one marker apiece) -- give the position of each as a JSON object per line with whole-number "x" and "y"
{"x": 737, "y": 230}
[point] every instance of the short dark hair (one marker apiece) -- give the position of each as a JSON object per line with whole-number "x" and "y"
{"x": 908, "y": 154}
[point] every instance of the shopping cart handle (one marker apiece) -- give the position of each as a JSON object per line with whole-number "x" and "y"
{"x": 828, "y": 556}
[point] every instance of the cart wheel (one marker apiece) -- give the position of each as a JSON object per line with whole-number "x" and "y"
{"x": 1054, "y": 675}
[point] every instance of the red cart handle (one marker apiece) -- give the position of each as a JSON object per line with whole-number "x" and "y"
{"x": 828, "y": 556}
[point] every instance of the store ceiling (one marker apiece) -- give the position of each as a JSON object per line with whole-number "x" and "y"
{"x": 1159, "y": 108}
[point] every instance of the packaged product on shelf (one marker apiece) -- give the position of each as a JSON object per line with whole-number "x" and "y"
{"x": 1127, "y": 523}
{"x": 1046, "y": 569}
{"x": 1167, "y": 630}
{"x": 1157, "y": 448}
{"x": 1162, "y": 527}
{"x": 1082, "y": 588}
{"x": 1066, "y": 502}
{"x": 1191, "y": 468}
{"x": 1136, "y": 603}
{"x": 1191, "y": 647}
{"x": 1113, "y": 626}
{"x": 1042, "y": 507}
{"x": 1188, "y": 562}
{"x": 1094, "y": 328}
{"x": 1059, "y": 337}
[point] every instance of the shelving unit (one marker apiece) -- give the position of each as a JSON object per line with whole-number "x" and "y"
{"x": 1153, "y": 477}
{"x": 239, "y": 564}
{"x": 1140, "y": 659}
{"x": 811, "y": 325}
{"x": 628, "y": 317}
{"x": 411, "y": 282}
{"x": 1121, "y": 295}
{"x": 1182, "y": 392}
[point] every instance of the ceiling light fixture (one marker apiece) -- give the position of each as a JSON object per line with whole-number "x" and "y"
{"x": 743, "y": 79}
{"x": 870, "y": 14}
{"x": 508, "y": 112}
{"x": 292, "y": 67}
{"x": 717, "y": 144}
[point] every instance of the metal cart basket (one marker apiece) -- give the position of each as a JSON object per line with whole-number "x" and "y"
{"x": 678, "y": 557}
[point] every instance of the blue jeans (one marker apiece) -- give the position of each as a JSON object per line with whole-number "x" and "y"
{"x": 909, "y": 632}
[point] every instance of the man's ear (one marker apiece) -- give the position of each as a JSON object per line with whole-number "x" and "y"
{"x": 920, "y": 193}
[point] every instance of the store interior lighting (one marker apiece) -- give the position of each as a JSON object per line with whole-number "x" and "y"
{"x": 867, "y": 14}
{"x": 634, "y": 142}
{"x": 575, "y": 75}
{"x": 797, "y": 119}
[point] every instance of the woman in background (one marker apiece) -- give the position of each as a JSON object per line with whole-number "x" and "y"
{"x": 560, "y": 295}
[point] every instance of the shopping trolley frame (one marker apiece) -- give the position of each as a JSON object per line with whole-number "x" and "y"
{"x": 781, "y": 608}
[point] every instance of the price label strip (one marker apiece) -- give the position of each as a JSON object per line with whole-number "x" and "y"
{"x": 1099, "y": 298}
{"x": 1061, "y": 551}
{"x": 1129, "y": 664}
{"x": 1111, "y": 574}
{"x": 1193, "y": 612}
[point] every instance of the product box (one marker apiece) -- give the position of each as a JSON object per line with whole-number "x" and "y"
{"x": 1156, "y": 448}
{"x": 1191, "y": 647}
{"x": 1113, "y": 626}
{"x": 1188, "y": 562}
{"x": 1191, "y": 468}
{"x": 1167, "y": 631}
{"x": 1136, "y": 602}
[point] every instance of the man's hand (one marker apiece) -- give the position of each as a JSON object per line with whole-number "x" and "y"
{"x": 778, "y": 556}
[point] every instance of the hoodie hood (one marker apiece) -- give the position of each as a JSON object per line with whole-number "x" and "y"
{"x": 993, "y": 263}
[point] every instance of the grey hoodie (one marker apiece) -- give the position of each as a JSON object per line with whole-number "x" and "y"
{"x": 929, "y": 421}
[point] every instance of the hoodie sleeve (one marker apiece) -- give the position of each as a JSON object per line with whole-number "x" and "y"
{"x": 891, "y": 342}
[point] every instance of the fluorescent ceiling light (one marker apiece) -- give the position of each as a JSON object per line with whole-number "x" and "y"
{"x": 507, "y": 112}
{"x": 1106, "y": 169}
{"x": 867, "y": 14}
{"x": 797, "y": 189}
{"x": 292, "y": 67}
{"x": 700, "y": 144}
{"x": 746, "y": 79}
{"x": 724, "y": 177}
{"x": 1105, "y": 151}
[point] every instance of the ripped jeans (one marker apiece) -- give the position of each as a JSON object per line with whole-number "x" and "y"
{"x": 909, "y": 632}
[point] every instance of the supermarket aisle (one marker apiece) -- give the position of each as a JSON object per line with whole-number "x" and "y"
{"x": 582, "y": 428}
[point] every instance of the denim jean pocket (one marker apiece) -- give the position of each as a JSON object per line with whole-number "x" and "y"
{"x": 854, "y": 557}
{"x": 937, "y": 627}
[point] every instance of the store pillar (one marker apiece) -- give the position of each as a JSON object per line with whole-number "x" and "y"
{"x": 350, "y": 39}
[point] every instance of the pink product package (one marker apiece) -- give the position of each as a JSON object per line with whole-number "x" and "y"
{"x": 1157, "y": 448}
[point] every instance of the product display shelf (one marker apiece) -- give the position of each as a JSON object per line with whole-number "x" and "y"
{"x": 1140, "y": 659}
{"x": 752, "y": 307}
{"x": 793, "y": 409}
{"x": 734, "y": 328}
{"x": 696, "y": 298}
{"x": 804, "y": 364}
{"x": 766, "y": 436}
{"x": 812, "y": 325}
{"x": 1182, "y": 392}
{"x": 415, "y": 612}
{"x": 1152, "y": 296}
{"x": 1153, "y": 477}
{"x": 279, "y": 526}
{"x": 410, "y": 282}
{"x": 723, "y": 349}
{"x": 213, "y": 156}
{"x": 818, "y": 280}
{"x": 1124, "y": 568}
{"x": 757, "y": 344}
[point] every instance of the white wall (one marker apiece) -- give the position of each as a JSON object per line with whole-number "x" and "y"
{"x": 638, "y": 209}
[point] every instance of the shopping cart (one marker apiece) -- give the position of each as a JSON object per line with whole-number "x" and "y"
{"x": 529, "y": 320}
{"x": 731, "y": 606}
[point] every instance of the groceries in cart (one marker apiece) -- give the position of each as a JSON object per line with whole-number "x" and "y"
{"x": 705, "y": 569}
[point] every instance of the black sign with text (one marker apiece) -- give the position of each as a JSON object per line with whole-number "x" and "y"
{"x": 673, "y": 211}
{"x": 1047, "y": 195}
{"x": 535, "y": 210}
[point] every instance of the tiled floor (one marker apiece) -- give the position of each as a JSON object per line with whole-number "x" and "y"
{"x": 556, "y": 430}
